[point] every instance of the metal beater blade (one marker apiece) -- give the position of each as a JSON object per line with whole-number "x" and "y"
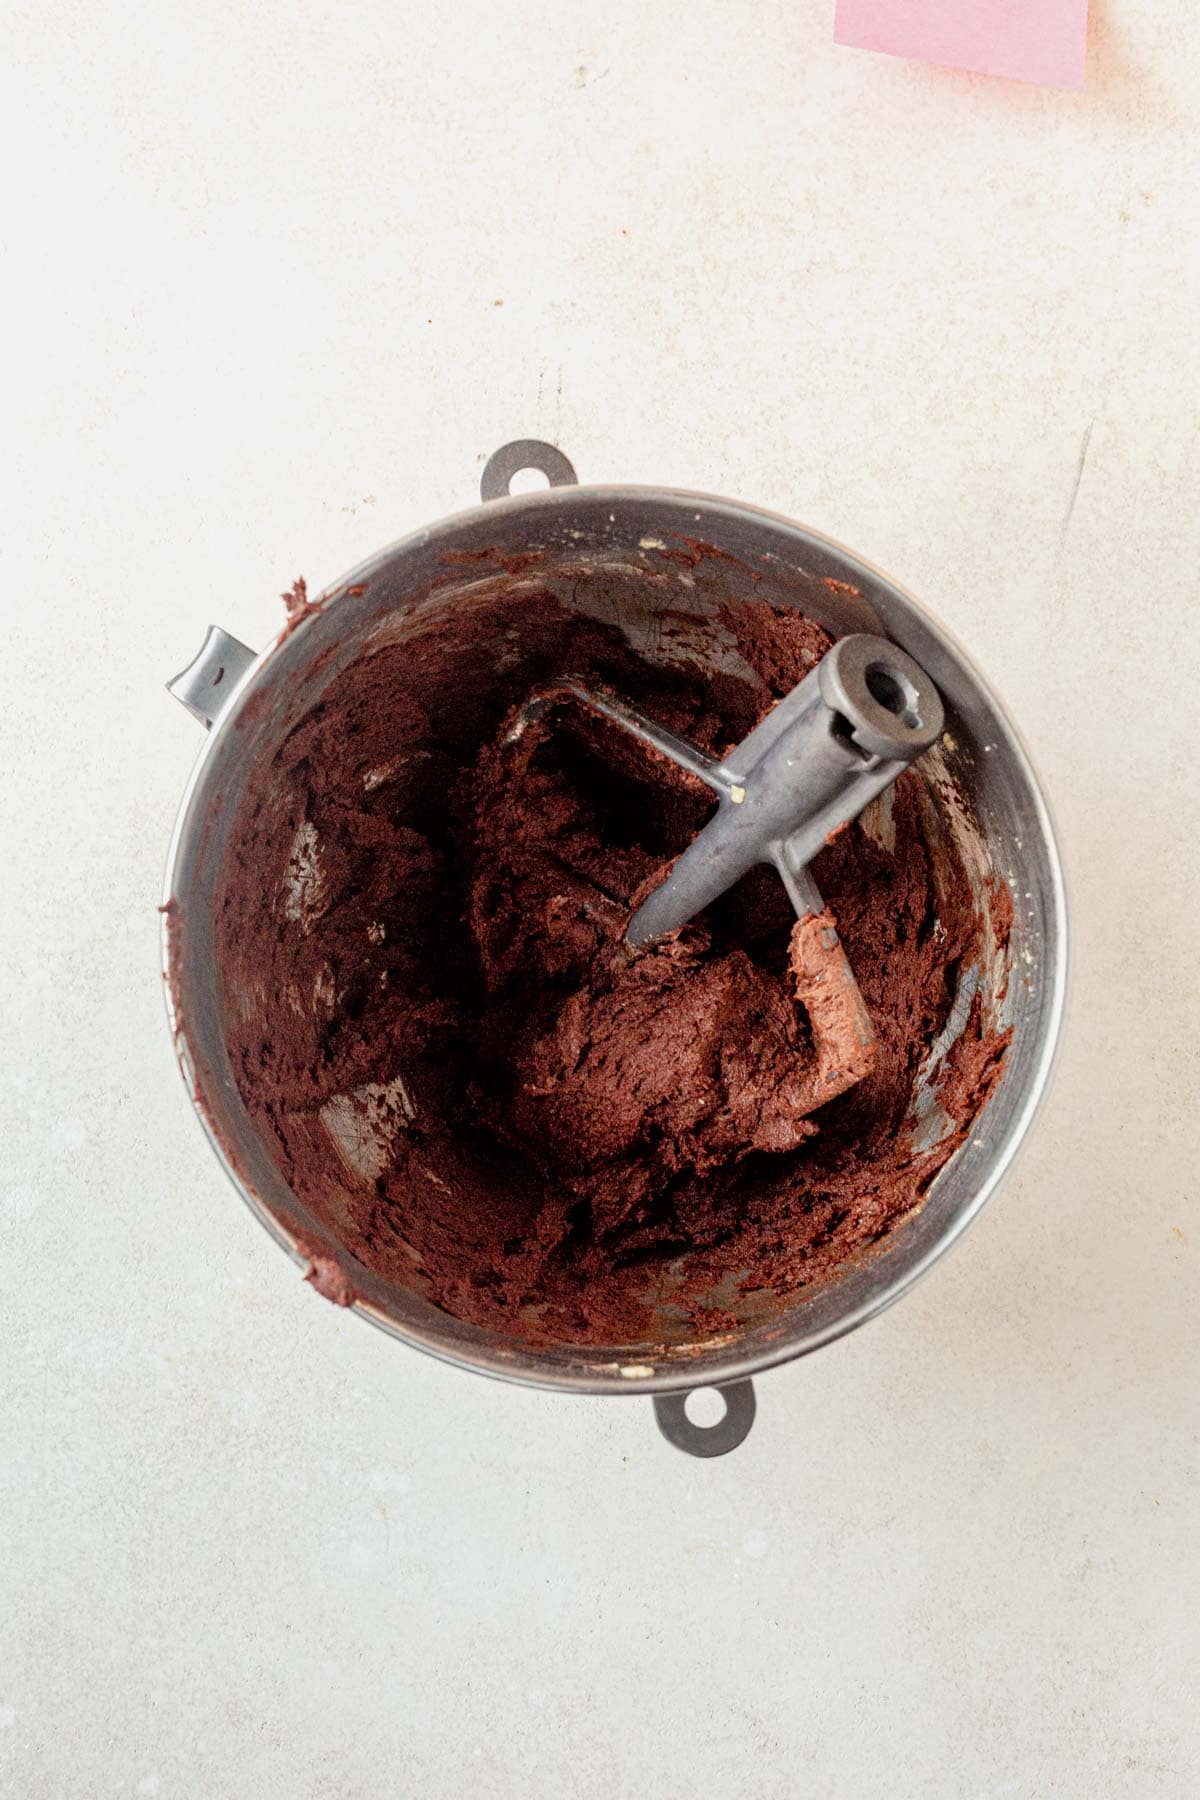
{"x": 831, "y": 745}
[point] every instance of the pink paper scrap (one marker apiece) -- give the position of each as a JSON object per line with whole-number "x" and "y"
{"x": 1028, "y": 40}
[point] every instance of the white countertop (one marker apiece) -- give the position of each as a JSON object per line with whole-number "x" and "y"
{"x": 282, "y": 277}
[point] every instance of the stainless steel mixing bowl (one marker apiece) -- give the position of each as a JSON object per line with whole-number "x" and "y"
{"x": 657, "y": 563}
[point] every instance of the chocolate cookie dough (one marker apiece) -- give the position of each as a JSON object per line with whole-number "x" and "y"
{"x": 473, "y": 1084}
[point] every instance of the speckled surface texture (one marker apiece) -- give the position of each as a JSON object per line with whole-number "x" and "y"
{"x": 288, "y": 275}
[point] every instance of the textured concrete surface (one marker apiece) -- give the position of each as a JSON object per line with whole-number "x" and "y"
{"x": 279, "y": 278}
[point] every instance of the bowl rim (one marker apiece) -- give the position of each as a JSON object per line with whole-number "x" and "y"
{"x": 614, "y": 1373}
